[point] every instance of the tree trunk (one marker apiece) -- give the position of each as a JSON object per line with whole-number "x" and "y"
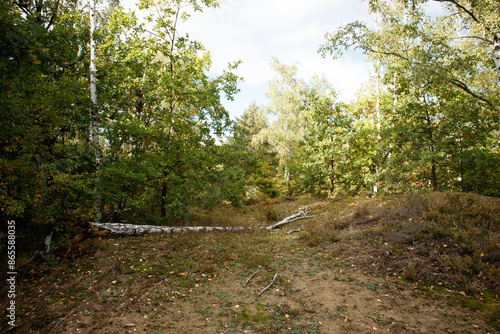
{"x": 131, "y": 229}
{"x": 94, "y": 117}
{"x": 332, "y": 185}
{"x": 163, "y": 200}
{"x": 496, "y": 53}
{"x": 430, "y": 132}
{"x": 43, "y": 177}
{"x": 117, "y": 215}
{"x": 287, "y": 179}
{"x": 434, "y": 182}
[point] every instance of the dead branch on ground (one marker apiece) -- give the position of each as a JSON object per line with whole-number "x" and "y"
{"x": 302, "y": 214}
{"x": 248, "y": 280}
{"x": 270, "y": 284}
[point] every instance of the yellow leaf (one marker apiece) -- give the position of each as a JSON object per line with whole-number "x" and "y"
{"x": 345, "y": 319}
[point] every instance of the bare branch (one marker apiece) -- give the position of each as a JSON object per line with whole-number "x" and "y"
{"x": 294, "y": 231}
{"x": 270, "y": 284}
{"x": 248, "y": 280}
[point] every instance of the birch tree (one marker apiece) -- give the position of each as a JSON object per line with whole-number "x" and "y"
{"x": 286, "y": 131}
{"x": 437, "y": 47}
{"x": 94, "y": 114}
{"x": 428, "y": 62}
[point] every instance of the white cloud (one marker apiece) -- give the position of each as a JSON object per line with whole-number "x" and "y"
{"x": 254, "y": 31}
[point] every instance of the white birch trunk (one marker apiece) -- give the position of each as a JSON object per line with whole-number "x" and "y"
{"x": 377, "y": 110}
{"x": 94, "y": 117}
{"x": 131, "y": 229}
{"x": 496, "y": 53}
{"x": 287, "y": 220}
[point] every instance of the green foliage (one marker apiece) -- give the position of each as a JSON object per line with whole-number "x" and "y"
{"x": 44, "y": 119}
{"x": 439, "y": 102}
{"x": 427, "y": 120}
{"x": 256, "y": 159}
{"x": 160, "y": 115}
{"x": 286, "y": 132}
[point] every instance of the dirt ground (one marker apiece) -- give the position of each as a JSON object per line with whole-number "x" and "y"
{"x": 309, "y": 296}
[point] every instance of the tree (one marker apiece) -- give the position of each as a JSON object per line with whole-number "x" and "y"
{"x": 325, "y": 142}
{"x": 158, "y": 116}
{"x": 162, "y": 111}
{"x": 256, "y": 159}
{"x": 436, "y": 48}
{"x": 247, "y": 126}
{"x": 481, "y": 18}
{"x": 286, "y": 131}
{"x": 428, "y": 66}
{"x": 94, "y": 114}
{"x": 44, "y": 105}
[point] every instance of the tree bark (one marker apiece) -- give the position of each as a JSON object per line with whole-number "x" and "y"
{"x": 94, "y": 115}
{"x": 43, "y": 177}
{"x": 287, "y": 220}
{"x": 163, "y": 200}
{"x": 496, "y": 53}
{"x": 131, "y": 229}
{"x": 117, "y": 215}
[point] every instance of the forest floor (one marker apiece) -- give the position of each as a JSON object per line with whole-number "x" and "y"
{"x": 398, "y": 264}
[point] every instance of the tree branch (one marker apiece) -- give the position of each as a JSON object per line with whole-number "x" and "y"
{"x": 24, "y": 9}
{"x": 455, "y": 82}
{"x": 248, "y": 280}
{"x": 466, "y": 89}
{"x": 54, "y": 14}
{"x": 487, "y": 41}
{"x": 270, "y": 284}
{"x": 469, "y": 12}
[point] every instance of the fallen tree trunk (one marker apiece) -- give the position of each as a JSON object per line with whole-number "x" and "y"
{"x": 131, "y": 229}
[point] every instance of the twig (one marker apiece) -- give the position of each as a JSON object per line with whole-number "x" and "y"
{"x": 270, "y": 284}
{"x": 248, "y": 280}
{"x": 59, "y": 322}
{"x": 292, "y": 231}
{"x": 345, "y": 316}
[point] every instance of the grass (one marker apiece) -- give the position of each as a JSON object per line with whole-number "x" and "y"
{"x": 447, "y": 241}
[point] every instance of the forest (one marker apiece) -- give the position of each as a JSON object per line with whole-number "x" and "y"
{"x": 151, "y": 140}
{"x": 110, "y": 117}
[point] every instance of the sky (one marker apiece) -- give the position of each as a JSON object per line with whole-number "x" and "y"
{"x": 254, "y": 31}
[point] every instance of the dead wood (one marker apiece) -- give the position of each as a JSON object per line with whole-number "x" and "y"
{"x": 131, "y": 229}
{"x": 248, "y": 280}
{"x": 270, "y": 285}
{"x": 302, "y": 214}
{"x": 293, "y": 231}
